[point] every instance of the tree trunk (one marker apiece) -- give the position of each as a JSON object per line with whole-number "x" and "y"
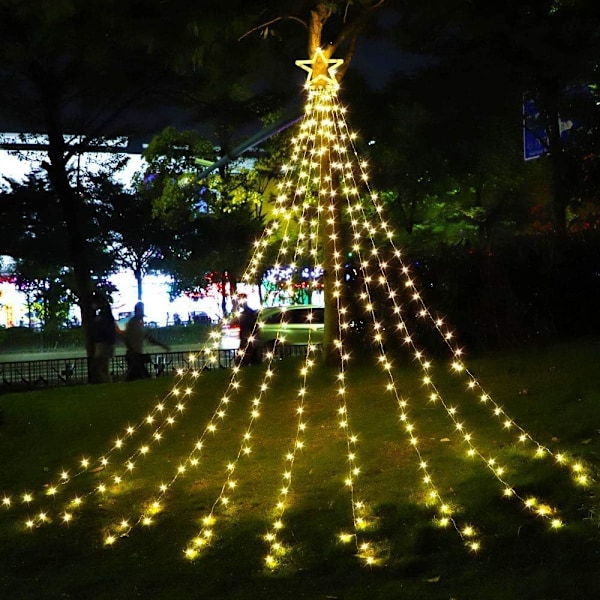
{"x": 331, "y": 220}
{"x": 559, "y": 191}
{"x": 559, "y": 198}
{"x": 71, "y": 202}
{"x": 139, "y": 283}
{"x": 318, "y": 18}
{"x": 77, "y": 244}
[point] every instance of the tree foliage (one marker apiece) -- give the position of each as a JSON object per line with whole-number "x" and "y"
{"x": 136, "y": 240}
{"x": 215, "y": 217}
{"x": 77, "y": 72}
{"x": 485, "y": 57}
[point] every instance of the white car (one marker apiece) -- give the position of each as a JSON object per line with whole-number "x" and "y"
{"x": 288, "y": 325}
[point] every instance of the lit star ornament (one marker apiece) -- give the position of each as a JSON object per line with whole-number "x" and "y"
{"x": 321, "y": 70}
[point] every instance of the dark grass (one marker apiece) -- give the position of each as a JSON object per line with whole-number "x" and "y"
{"x": 553, "y": 392}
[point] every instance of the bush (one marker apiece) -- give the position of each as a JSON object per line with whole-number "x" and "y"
{"x": 532, "y": 288}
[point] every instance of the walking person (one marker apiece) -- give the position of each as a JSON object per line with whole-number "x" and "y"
{"x": 248, "y": 352}
{"x": 105, "y": 339}
{"x": 134, "y": 337}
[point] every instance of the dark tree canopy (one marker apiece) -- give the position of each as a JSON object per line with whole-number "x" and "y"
{"x": 448, "y": 135}
{"x": 485, "y": 58}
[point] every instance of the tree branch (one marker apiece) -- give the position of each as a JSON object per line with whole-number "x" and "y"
{"x": 354, "y": 28}
{"x": 275, "y": 20}
{"x": 347, "y": 57}
{"x": 350, "y": 33}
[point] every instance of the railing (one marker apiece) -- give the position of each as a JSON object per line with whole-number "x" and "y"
{"x": 31, "y": 374}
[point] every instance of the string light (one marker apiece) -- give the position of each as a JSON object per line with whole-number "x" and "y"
{"x": 323, "y": 180}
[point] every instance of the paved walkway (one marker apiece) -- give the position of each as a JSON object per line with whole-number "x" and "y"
{"x": 80, "y": 352}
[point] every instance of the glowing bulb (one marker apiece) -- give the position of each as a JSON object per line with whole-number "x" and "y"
{"x": 468, "y": 531}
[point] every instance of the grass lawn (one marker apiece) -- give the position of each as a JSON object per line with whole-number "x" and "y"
{"x": 550, "y": 396}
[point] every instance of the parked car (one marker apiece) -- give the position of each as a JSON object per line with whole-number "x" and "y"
{"x": 290, "y": 325}
{"x": 200, "y": 318}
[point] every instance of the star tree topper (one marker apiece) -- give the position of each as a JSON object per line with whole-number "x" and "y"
{"x": 321, "y": 70}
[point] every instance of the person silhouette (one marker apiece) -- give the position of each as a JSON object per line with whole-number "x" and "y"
{"x": 248, "y": 352}
{"x": 134, "y": 337}
{"x": 104, "y": 330}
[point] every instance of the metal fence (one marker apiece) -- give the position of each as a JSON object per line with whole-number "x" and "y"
{"x": 33, "y": 374}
